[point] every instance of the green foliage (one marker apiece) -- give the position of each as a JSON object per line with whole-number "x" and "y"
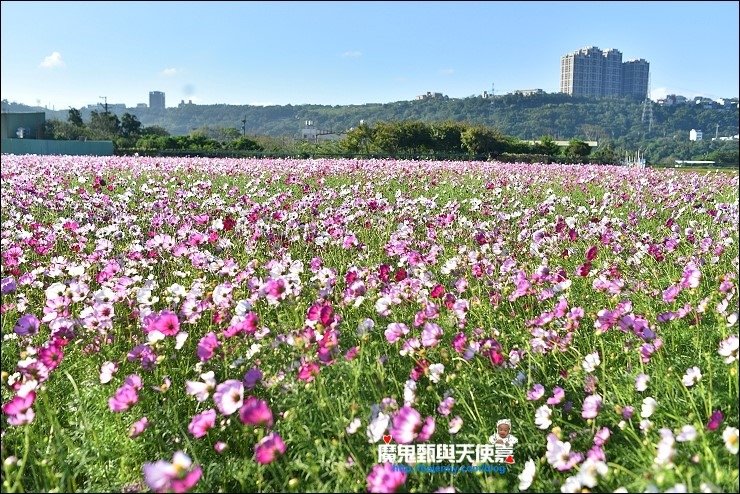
{"x": 244, "y": 144}
{"x": 481, "y": 140}
{"x": 75, "y": 117}
{"x": 577, "y": 149}
{"x": 130, "y": 125}
{"x": 547, "y": 146}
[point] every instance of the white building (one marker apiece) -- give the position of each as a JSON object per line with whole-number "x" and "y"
{"x": 695, "y": 135}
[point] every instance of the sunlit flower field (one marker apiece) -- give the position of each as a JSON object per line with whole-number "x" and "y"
{"x": 235, "y": 325}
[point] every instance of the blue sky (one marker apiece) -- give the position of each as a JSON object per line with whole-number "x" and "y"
{"x": 65, "y": 54}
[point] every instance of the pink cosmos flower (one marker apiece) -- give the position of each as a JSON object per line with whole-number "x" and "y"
{"x": 269, "y": 448}
{"x": 256, "y": 412}
{"x": 307, "y": 371}
{"x": 384, "y": 478}
{"x": 126, "y": 396}
{"x": 591, "y": 406}
{"x": 558, "y": 395}
{"x": 207, "y": 346}
{"x": 201, "y": 423}
{"x": 537, "y": 392}
{"x": 166, "y": 323}
{"x": 395, "y": 331}
{"x": 19, "y": 409}
{"x": 178, "y": 476}
{"x": 138, "y": 427}
{"x": 431, "y": 335}
{"x": 220, "y": 447}
{"x": 229, "y": 396}
{"x": 445, "y": 407}
{"x": 670, "y": 293}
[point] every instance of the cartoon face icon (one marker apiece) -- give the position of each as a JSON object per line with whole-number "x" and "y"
{"x": 503, "y": 430}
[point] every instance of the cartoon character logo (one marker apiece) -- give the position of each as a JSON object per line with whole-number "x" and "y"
{"x": 503, "y": 441}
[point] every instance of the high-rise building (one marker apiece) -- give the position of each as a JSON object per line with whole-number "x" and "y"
{"x": 156, "y": 100}
{"x": 635, "y": 77}
{"x": 596, "y": 73}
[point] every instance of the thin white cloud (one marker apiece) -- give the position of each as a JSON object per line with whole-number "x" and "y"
{"x": 352, "y": 54}
{"x": 53, "y": 60}
{"x": 447, "y": 71}
{"x": 169, "y": 72}
{"x": 661, "y": 92}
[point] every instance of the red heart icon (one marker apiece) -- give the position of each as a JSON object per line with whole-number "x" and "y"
{"x": 387, "y": 439}
{"x": 509, "y": 459}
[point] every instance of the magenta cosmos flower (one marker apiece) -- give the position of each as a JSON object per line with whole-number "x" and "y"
{"x": 269, "y": 448}
{"x": 178, "y": 476}
{"x": 166, "y": 323}
{"x": 255, "y": 412}
{"x": 207, "y": 346}
{"x": 383, "y": 478}
{"x": 408, "y": 426}
{"x": 201, "y": 423}
{"x": 138, "y": 427}
{"x": 19, "y": 409}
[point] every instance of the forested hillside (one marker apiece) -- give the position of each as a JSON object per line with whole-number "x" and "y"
{"x": 618, "y": 122}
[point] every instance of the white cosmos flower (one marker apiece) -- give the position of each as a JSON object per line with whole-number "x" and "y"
{"x": 730, "y": 436}
{"x": 589, "y": 470}
{"x": 106, "y": 372}
{"x": 687, "y": 434}
{"x": 542, "y": 417}
{"x": 180, "y": 339}
{"x": 527, "y": 475}
{"x": 377, "y": 427}
{"x": 353, "y": 426}
{"x": 435, "y": 372}
{"x": 591, "y": 362}
{"x": 692, "y": 376}
{"x": 641, "y": 382}
{"x": 648, "y": 407}
{"x": 728, "y": 349}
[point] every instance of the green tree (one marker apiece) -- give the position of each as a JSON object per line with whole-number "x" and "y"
{"x": 358, "y": 139}
{"x": 547, "y": 146}
{"x": 244, "y": 144}
{"x": 104, "y": 125}
{"x": 130, "y": 125}
{"x": 577, "y": 149}
{"x": 481, "y": 140}
{"x": 75, "y": 117}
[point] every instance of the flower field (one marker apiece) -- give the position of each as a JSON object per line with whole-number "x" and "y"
{"x": 236, "y": 325}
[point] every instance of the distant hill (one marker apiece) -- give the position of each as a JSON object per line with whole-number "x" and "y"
{"x": 526, "y": 117}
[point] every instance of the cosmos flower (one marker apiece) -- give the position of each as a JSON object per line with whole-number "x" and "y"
{"x": 229, "y": 396}
{"x": 178, "y": 476}
{"x": 384, "y": 478}
{"x": 201, "y": 422}
{"x": 269, "y": 448}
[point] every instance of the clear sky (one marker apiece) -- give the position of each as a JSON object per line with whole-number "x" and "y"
{"x": 65, "y": 54}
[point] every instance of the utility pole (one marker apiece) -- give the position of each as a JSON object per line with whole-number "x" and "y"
{"x": 716, "y": 133}
{"x": 105, "y": 98}
{"x": 244, "y": 126}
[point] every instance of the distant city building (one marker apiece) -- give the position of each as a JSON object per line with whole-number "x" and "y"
{"x": 529, "y": 92}
{"x": 695, "y": 135}
{"x": 141, "y": 105}
{"x": 596, "y": 73}
{"x": 156, "y": 100}
{"x": 635, "y": 77}
{"x": 182, "y": 103}
{"x": 430, "y": 95}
